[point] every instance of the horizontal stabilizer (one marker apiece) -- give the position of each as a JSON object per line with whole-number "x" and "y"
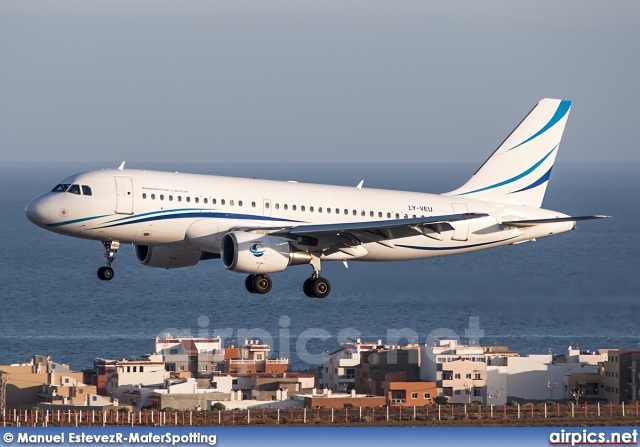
{"x": 532, "y": 222}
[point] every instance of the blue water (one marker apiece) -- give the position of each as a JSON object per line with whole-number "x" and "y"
{"x": 581, "y": 287}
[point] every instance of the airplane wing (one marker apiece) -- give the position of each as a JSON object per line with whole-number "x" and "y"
{"x": 532, "y": 222}
{"x": 339, "y": 236}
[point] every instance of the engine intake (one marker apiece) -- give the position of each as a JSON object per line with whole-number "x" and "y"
{"x": 255, "y": 253}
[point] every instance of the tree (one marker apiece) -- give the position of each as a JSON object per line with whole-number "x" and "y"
{"x": 441, "y": 400}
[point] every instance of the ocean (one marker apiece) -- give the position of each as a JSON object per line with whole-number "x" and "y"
{"x": 580, "y": 288}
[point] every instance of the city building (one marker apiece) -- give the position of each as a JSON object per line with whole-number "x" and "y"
{"x": 622, "y": 376}
{"x": 329, "y": 399}
{"x": 374, "y": 366}
{"x": 252, "y": 357}
{"x": 338, "y": 371}
{"x": 26, "y": 382}
{"x": 397, "y": 390}
{"x": 148, "y": 371}
{"x": 198, "y": 356}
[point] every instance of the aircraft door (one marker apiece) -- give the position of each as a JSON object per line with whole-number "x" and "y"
{"x": 461, "y": 227}
{"x": 124, "y": 195}
{"x": 266, "y": 207}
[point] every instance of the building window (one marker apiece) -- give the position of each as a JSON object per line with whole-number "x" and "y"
{"x": 170, "y": 366}
{"x": 128, "y": 369}
{"x": 477, "y": 392}
{"x": 468, "y": 376}
{"x": 447, "y": 375}
{"x": 448, "y": 391}
{"x": 173, "y": 351}
{"x": 476, "y": 376}
{"x": 142, "y": 369}
{"x": 457, "y": 392}
{"x": 205, "y": 368}
{"x": 181, "y": 367}
{"x": 457, "y": 376}
{"x": 135, "y": 369}
{"x": 427, "y": 395}
{"x": 414, "y": 395}
{"x": 234, "y": 382}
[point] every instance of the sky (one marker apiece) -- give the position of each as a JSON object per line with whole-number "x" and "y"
{"x": 275, "y": 82}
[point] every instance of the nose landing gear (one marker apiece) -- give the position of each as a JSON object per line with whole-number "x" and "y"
{"x": 106, "y": 273}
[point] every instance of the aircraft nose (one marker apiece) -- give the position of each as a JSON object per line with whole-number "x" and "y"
{"x": 37, "y": 211}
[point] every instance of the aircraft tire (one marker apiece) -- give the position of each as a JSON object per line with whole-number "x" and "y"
{"x": 105, "y": 273}
{"x": 248, "y": 283}
{"x": 262, "y": 284}
{"x": 321, "y": 288}
{"x": 306, "y": 287}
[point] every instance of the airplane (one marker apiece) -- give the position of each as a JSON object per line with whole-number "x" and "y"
{"x": 258, "y": 227}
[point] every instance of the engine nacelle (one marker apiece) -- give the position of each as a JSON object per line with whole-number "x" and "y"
{"x": 164, "y": 257}
{"x": 256, "y": 253}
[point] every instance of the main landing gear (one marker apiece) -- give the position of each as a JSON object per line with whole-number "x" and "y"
{"x": 106, "y": 273}
{"x": 314, "y": 287}
{"x": 259, "y": 284}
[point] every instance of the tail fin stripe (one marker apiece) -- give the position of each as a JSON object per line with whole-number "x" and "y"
{"x": 538, "y": 182}
{"x": 561, "y": 111}
{"x": 513, "y": 179}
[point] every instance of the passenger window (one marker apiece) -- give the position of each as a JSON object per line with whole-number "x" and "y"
{"x": 213, "y": 201}
{"x": 267, "y": 205}
{"x": 328, "y": 210}
{"x": 206, "y": 200}
{"x": 346, "y": 211}
{"x": 362, "y": 213}
{"x": 144, "y": 195}
{"x": 61, "y": 187}
{"x": 355, "y": 213}
{"x": 253, "y": 204}
{"x": 380, "y": 214}
{"x": 277, "y": 206}
{"x": 239, "y": 202}
{"x": 221, "y": 201}
{"x": 397, "y": 216}
{"x": 302, "y": 208}
{"x": 153, "y": 197}
{"x": 170, "y": 198}
{"x": 197, "y": 200}
{"x": 371, "y": 213}
{"x": 338, "y": 211}
{"x": 74, "y": 189}
{"x": 179, "y": 198}
{"x": 311, "y": 209}
{"x": 161, "y": 196}
{"x": 320, "y": 209}
{"x": 188, "y": 199}
{"x": 293, "y": 207}
{"x": 231, "y": 202}
{"x": 388, "y": 215}
{"x": 87, "y": 191}
{"x": 286, "y": 207}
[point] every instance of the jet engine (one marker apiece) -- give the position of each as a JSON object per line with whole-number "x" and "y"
{"x": 257, "y": 253}
{"x": 170, "y": 257}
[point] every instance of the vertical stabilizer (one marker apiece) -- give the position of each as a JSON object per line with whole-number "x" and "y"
{"x": 518, "y": 171}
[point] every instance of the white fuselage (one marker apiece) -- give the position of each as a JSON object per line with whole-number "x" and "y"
{"x": 159, "y": 208}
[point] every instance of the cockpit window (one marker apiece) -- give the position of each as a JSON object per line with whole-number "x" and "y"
{"x": 61, "y": 187}
{"x": 86, "y": 190}
{"x": 74, "y": 189}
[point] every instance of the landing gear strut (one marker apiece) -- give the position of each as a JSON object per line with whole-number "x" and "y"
{"x": 316, "y": 287}
{"x": 259, "y": 284}
{"x": 106, "y": 273}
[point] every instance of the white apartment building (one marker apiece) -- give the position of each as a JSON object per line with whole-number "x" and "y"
{"x": 338, "y": 372}
{"x": 146, "y": 372}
